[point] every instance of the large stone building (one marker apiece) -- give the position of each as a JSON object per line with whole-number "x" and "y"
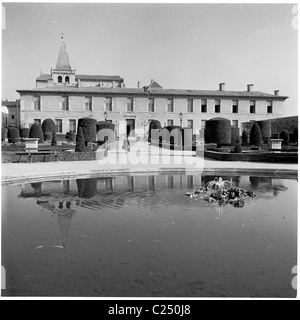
{"x": 66, "y": 97}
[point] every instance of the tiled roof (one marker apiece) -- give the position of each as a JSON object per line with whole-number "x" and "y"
{"x": 156, "y": 92}
{"x": 44, "y": 77}
{"x": 85, "y": 77}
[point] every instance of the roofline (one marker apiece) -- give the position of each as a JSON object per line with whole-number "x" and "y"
{"x": 141, "y": 92}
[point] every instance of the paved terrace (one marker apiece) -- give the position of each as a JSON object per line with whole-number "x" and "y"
{"x": 142, "y": 159}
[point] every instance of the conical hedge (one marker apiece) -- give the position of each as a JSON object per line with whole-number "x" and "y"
{"x": 80, "y": 145}
{"x": 36, "y": 132}
{"x": 48, "y": 126}
{"x": 13, "y": 133}
{"x": 255, "y": 135}
{"x": 88, "y": 126}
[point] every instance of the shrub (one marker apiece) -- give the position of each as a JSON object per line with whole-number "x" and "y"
{"x": 284, "y": 135}
{"x": 3, "y": 134}
{"x": 88, "y": 126}
{"x": 154, "y": 124}
{"x": 80, "y": 145}
{"x": 48, "y": 126}
{"x": 255, "y": 135}
{"x": 235, "y": 135}
{"x": 245, "y": 136}
{"x": 48, "y": 136}
{"x": 265, "y": 127}
{"x": 218, "y": 130}
{"x": 12, "y": 134}
{"x": 36, "y": 132}
{"x": 295, "y": 135}
{"x": 71, "y": 136}
{"x": 238, "y": 147}
{"x": 53, "y": 140}
{"x": 24, "y": 133}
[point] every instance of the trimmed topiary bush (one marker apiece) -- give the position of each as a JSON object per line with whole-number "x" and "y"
{"x": 218, "y": 130}
{"x": 53, "y": 140}
{"x": 255, "y": 135}
{"x": 265, "y": 128}
{"x": 36, "y": 132}
{"x": 104, "y": 125}
{"x": 80, "y": 145}
{"x": 3, "y": 134}
{"x": 238, "y": 147}
{"x": 245, "y": 136}
{"x": 235, "y": 135}
{"x": 285, "y": 136}
{"x": 70, "y": 136}
{"x": 88, "y": 126}
{"x": 48, "y": 126}
{"x": 154, "y": 124}
{"x": 24, "y": 133}
{"x": 48, "y": 136}
{"x": 12, "y": 134}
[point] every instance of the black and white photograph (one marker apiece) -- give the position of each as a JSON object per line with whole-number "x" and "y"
{"x": 149, "y": 151}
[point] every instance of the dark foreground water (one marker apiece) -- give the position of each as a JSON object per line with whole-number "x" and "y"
{"x": 141, "y": 236}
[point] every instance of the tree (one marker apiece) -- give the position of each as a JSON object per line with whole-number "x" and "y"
{"x": 13, "y": 133}
{"x": 255, "y": 135}
{"x": 80, "y": 144}
{"x": 53, "y": 141}
{"x": 36, "y": 132}
{"x": 245, "y": 136}
{"x": 285, "y": 136}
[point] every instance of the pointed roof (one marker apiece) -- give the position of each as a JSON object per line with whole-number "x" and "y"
{"x": 63, "y": 62}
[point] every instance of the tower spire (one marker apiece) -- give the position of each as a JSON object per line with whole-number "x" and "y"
{"x": 63, "y": 62}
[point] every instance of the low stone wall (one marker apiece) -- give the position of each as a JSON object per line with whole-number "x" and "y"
{"x": 11, "y": 157}
{"x": 283, "y": 157}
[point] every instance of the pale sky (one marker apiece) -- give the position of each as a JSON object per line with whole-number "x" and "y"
{"x": 181, "y": 46}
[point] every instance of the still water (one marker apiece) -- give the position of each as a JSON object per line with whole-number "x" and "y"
{"x": 141, "y": 236}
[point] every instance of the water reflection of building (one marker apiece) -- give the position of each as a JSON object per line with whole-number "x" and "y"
{"x": 97, "y": 193}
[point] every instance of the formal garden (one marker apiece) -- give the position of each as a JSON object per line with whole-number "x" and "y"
{"x": 261, "y": 141}
{"x": 41, "y": 143}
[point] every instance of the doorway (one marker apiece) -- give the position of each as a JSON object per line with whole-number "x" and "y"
{"x": 130, "y": 127}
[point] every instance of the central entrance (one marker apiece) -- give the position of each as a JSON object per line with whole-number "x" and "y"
{"x": 130, "y": 127}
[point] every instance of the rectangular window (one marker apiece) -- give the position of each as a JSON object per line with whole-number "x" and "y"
{"x": 12, "y": 117}
{"x": 108, "y": 104}
{"x": 270, "y": 107}
{"x": 252, "y": 106}
{"x": 203, "y": 124}
{"x": 235, "y": 106}
{"x": 88, "y": 102}
{"x": 129, "y": 104}
{"x": 151, "y": 107}
{"x": 65, "y": 103}
{"x": 203, "y": 105}
{"x": 170, "y": 122}
{"x": 190, "y": 124}
{"x": 235, "y": 123}
{"x": 38, "y": 121}
{"x": 58, "y": 123}
{"x": 217, "y": 106}
{"x": 72, "y": 125}
{"x": 170, "y": 105}
{"x": 37, "y": 103}
{"x": 190, "y": 106}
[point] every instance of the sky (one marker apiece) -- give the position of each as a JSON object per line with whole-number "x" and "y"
{"x": 181, "y": 46}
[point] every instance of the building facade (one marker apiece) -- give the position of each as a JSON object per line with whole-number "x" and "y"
{"x": 66, "y": 97}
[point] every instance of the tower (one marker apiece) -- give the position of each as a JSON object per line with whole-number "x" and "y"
{"x": 63, "y": 74}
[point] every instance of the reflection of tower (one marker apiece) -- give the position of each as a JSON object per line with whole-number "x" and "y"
{"x": 171, "y": 182}
{"x": 109, "y": 184}
{"x": 64, "y": 211}
{"x": 151, "y": 180}
{"x": 87, "y": 188}
{"x": 130, "y": 182}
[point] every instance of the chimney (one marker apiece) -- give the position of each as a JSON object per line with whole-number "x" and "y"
{"x": 250, "y": 87}
{"x": 138, "y": 84}
{"x": 276, "y": 92}
{"x": 222, "y": 86}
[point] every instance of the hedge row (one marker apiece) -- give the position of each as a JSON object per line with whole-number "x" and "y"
{"x": 66, "y": 156}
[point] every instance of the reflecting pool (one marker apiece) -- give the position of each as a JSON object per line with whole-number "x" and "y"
{"x": 141, "y": 236}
